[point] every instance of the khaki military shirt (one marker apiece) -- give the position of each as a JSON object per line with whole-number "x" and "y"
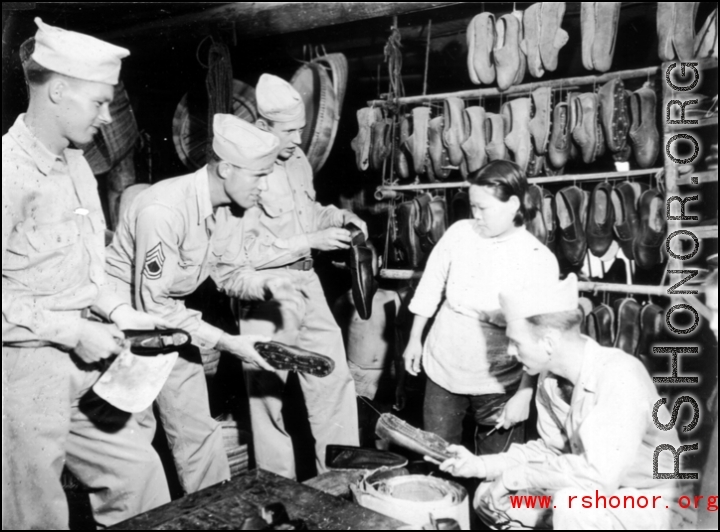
{"x": 605, "y": 439}
{"x": 276, "y": 230}
{"x": 53, "y": 243}
{"x": 169, "y": 242}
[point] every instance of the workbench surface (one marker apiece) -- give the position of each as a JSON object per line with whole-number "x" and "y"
{"x": 226, "y": 506}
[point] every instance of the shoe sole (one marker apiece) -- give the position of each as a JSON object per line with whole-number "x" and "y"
{"x": 289, "y": 358}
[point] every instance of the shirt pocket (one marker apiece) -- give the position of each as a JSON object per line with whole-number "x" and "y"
{"x": 49, "y": 238}
{"x": 279, "y": 206}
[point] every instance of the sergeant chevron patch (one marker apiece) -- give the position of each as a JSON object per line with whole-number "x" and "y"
{"x": 154, "y": 260}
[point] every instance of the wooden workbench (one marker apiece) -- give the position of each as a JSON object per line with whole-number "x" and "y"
{"x": 227, "y": 505}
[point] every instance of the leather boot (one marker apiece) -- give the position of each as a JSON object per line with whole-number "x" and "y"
{"x": 402, "y": 167}
{"x": 438, "y": 154}
{"x": 706, "y": 41}
{"x": 496, "y": 127}
{"x": 417, "y": 142}
{"x": 454, "y": 131}
{"x": 540, "y": 122}
{"x": 614, "y": 115}
{"x": 559, "y": 148}
{"x": 536, "y": 226}
{"x": 684, "y": 30}
{"x": 600, "y": 323}
{"x": 361, "y": 143}
{"x": 651, "y": 235}
{"x": 361, "y": 262}
{"x": 643, "y": 131}
{"x": 550, "y": 216}
{"x": 652, "y": 323}
{"x": 552, "y": 36}
{"x": 474, "y": 145}
{"x": 586, "y": 130}
{"x": 587, "y": 30}
{"x": 627, "y": 312}
{"x": 601, "y": 220}
{"x": 626, "y": 217}
{"x": 607, "y": 15}
{"x": 517, "y": 141}
{"x": 571, "y": 204}
{"x": 483, "y": 41}
{"x": 380, "y": 143}
{"x": 408, "y": 242}
{"x": 509, "y": 58}
{"x": 460, "y": 207}
{"x": 530, "y": 45}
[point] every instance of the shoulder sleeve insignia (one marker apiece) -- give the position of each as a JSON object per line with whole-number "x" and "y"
{"x": 154, "y": 260}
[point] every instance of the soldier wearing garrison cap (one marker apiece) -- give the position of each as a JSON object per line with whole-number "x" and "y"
{"x": 595, "y": 419}
{"x": 174, "y": 236}
{"x": 281, "y": 234}
{"x": 53, "y": 277}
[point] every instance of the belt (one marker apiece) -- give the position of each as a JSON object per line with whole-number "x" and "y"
{"x": 302, "y": 265}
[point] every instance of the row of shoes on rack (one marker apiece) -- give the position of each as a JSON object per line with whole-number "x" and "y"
{"x": 627, "y": 325}
{"x": 420, "y": 223}
{"x": 627, "y": 216}
{"x": 676, "y": 32}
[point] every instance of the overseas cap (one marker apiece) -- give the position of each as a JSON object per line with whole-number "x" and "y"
{"x": 277, "y": 100}
{"x": 242, "y": 144}
{"x": 546, "y": 299}
{"x": 76, "y": 55}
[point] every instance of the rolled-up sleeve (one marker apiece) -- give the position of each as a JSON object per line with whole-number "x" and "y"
{"x": 431, "y": 289}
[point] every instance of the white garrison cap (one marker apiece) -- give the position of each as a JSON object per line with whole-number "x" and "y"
{"x": 76, "y": 55}
{"x": 242, "y": 144}
{"x": 277, "y": 100}
{"x": 561, "y": 296}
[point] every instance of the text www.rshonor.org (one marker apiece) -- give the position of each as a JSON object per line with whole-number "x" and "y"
{"x": 614, "y": 501}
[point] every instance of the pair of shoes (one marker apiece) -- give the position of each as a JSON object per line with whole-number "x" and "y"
{"x": 421, "y": 223}
{"x": 361, "y": 144}
{"x": 288, "y": 357}
{"x": 362, "y": 261}
{"x": 397, "y": 431}
{"x": 676, "y": 30}
{"x": 543, "y": 36}
{"x": 598, "y": 26}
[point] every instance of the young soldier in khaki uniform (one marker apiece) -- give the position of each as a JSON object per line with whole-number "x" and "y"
{"x": 173, "y": 237}
{"x": 595, "y": 420}
{"x": 280, "y": 233}
{"x": 53, "y": 275}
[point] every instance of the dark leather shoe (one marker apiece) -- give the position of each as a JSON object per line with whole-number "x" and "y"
{"x": 627, "y": 312}
{"x": 626, "y": 217}
{"x": 600, "y": 323}
{"x": 438, "y": 154}
{"x": 652, "y": 327}
{"x": 460, "y": 207}
{"x": 454, "y": 129}
{"x": 361, "y": 261}
{"x": 560, "y": 143}
{"x": 601, "y": 219}
{"x": 348, "y": 457}
{"x": 571, "y": 204}
{"x": 432, "y": 221}
{"x": 408, "y": 241}
{"x": 614, "y": 115}
{"x": 536, "y": 226}
{"x": 643, "y": 131}
{"x": 651, "y": 235}
{"x": 288, "y": 357}
{"x": 550, "y": 216}
{"x": 156, "y": 342}
{"x": 395, "y": 430}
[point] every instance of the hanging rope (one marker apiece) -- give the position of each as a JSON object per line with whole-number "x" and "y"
{"x": 393, "y": 57}
{"x": 219, "y": 83}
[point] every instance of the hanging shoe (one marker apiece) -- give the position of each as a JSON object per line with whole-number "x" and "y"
{"x": 402, "y": 167}
{"x": 483, "y": 30}
{"x": 706, "y": 41}
{"x": 433, "y": 222}
{"x": 652, "y": 328}
{"x": 627, "y": 313}
{"x": 643, "y": 130}
{"x": 530, "y": 44}
{"x": 536, "y": 165}
{"x": 438, "y": 154}
{"x": 600, "y": 323}
{"x": 614, "y": 115}
{"x": 540, "y": 122}
{"x": 665, "y": 28}
{"x": 606, "y": 17}
{"x": 366, "y": 117}
{"x": 652, "y": 230}
{"x": 380, "y": 143}
{"x": 684, "y": 30}
{"x": 550, "y": 216}
{"x": 587, "y": 31}
{"x": 362, "y": 262}
{"x": 474, "y": 145}
{"x": 417, "y": 142}
{"x": 552, "y": 36}
{"x": 559, "y": 148}
{"x": 496, "y": 127}
{"x": 586, "y": 126}
{"x": 536, "y": 226}
{"x": 407, "y": 242}
{"x": 454, "y": 132}
{"x": 601, "y": 220}
{"x": 571, "y": 204}
{"x": 627, "y": 222}
{"x": 509, "y": 58}
{"x": 517, "y": 114}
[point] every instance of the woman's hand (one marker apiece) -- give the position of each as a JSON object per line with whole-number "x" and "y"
{"x": 516, "y": 410}
{"x": 412, "y": 357}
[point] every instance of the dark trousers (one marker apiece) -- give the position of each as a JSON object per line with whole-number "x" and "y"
{"x": 444, "y": 412}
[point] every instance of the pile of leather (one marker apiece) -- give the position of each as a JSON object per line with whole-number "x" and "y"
{"x": 626, "y": 215}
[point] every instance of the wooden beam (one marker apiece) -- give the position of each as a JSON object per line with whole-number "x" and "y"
{"x": 263, "y": 19}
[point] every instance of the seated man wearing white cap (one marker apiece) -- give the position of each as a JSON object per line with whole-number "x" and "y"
{"x": 281, "y": 232}
{"x": 173, "y": 237}
{"x": 53, "y": 275}
{"x": 595, "y": 419}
